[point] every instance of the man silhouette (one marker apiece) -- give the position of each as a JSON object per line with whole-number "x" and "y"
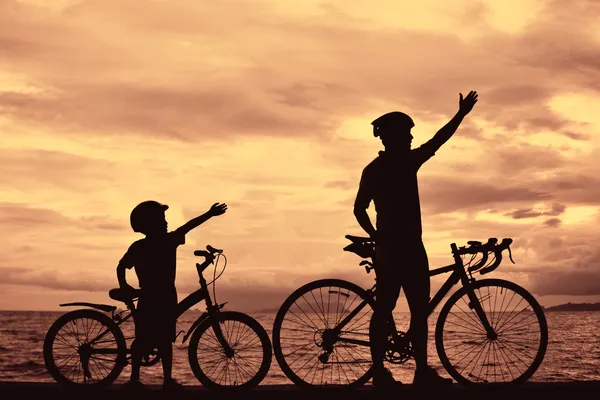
{"x": 390, "y": 181}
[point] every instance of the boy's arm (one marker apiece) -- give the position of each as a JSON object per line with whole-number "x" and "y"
{"x": 125, "y": 263}
{"x": 216, "y": 209}
{"x": 121, "y": 276}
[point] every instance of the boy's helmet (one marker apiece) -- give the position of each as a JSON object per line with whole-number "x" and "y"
{"x": 394, "y": 119}
{"x": 144, "y": 213}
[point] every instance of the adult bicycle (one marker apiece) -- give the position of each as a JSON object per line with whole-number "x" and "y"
{"x": 488, "y": 331}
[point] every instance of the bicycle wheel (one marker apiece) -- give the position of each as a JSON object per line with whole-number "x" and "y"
{"x": 244, "y": 369}
{"x": 308, "y": 348}
{"x": 512, "y": 355}
{"x": 84, "y": 347}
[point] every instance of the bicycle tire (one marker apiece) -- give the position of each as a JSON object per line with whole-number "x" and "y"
{"x": 348, "y": 289}
{"x": 83, "y": 314}
{"x": 203, "y": 332}
{"x": 502, "y": 324}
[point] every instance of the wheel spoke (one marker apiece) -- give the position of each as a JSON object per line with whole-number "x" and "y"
{"x": 213, "y": 365}
{"x": 512, "y": 354}
{"x": 301, "y": 341}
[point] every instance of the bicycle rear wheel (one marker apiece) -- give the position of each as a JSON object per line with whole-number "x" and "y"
{"x": 84, "y": 347}
{"x": 513, "y": 355}
{"x": 308, "y": 348}
{"x": 251, "y": 358}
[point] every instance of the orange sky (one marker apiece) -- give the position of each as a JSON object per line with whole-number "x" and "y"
{"x": 266, "y": 105}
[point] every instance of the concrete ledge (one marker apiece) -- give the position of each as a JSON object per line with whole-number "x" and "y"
{"x": 561, "y": 390}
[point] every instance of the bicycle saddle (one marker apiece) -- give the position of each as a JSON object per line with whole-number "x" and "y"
{"x": 358, "y": 239}
{"x": 123, "y": 295}
{"x": 363, "y": 249}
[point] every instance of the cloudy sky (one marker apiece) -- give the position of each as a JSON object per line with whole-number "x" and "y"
{"x": 266, "y": 105}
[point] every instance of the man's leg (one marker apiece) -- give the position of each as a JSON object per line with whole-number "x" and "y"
{"x": 165, "y": 349}
{"x": 379, "y": 328}
{"x": 388, "y": 290}
{"x": 416, "y": 287}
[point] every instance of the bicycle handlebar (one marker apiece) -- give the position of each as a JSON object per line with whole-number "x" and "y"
{"x": 209, "y": 255}
{"x": 489, "y": 247}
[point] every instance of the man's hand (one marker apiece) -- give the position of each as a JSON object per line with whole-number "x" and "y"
{"x": 127, "y": 287}
{"x": 374, "y": 236}
{"x": 217, "y": 209}
{"x": 466, "y": 104}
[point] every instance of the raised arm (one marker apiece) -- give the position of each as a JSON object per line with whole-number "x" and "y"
{"x": 446, "y": 132}
{"x": 216, "y": 209}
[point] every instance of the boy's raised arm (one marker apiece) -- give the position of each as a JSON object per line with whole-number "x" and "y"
{"x": 216, "y": 209}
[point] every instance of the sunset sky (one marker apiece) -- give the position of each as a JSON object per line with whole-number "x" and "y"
{"x": 266, "y": 106}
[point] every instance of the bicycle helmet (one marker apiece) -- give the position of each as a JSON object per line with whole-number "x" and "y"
{"x": 144, "y": 214}
{"x": 391, "y": 120}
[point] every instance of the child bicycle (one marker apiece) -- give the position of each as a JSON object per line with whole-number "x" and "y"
{"x": 227, "y": 349}
{"x": 488, "y": 331}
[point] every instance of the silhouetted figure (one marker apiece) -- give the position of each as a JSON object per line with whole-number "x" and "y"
{"x": 390, "y": 181}
{"x": 154, "y": 258}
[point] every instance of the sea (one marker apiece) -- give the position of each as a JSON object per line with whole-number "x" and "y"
{"x": 573, "y": 349}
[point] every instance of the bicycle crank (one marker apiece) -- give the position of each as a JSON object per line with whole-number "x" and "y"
{"x": 399, "y": 349}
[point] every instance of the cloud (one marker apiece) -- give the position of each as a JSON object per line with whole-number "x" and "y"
{"x": 553, "y": 222}
{"x": 277, "y": 97}
{"x": 38, "y": 169}
{"x": 568, "y": 283}
{"x": 23, "y": 216}
{"x": 303, "y": 85}
{"x": 447, "y": 195}
{"x": 55, "y": 280}
{"x": 557, "y": 209}
{"x": 15, "y": 215}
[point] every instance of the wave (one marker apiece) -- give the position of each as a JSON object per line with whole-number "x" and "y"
{"x": 27, "y": 366}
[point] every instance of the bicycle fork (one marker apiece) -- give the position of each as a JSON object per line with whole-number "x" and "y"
{"x": 475, "y": 304}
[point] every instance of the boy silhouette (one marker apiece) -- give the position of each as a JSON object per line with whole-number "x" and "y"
{"x": 154, "y": 259}
{"x": 390, "y": 181}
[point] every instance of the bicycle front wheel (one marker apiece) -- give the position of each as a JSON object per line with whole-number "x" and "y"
{"x": 310, "y": 343}
{"x": 249, "y": 361}
{"x": 84, "y": 347}
{"x": 512, "y": 354}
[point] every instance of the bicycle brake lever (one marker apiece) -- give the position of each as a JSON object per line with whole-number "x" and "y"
{"x": 510, "y": 255}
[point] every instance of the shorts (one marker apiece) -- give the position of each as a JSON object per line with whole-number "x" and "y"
{"x": 156, "y": 316}
{"x": 402, "y": 264}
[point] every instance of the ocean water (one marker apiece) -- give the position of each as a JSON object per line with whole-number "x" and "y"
{"x": 573, "y": 349}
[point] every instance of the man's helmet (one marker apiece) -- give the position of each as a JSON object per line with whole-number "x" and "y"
{"x": 393, "y": 120}
{"x": 144, "y": 215}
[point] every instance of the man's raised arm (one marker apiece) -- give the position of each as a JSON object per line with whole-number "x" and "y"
{"x": 446, "y": 132}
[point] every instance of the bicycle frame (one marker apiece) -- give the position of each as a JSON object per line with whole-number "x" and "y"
{"x": 458, "y": 275}
{"x": 188, "y": 302}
